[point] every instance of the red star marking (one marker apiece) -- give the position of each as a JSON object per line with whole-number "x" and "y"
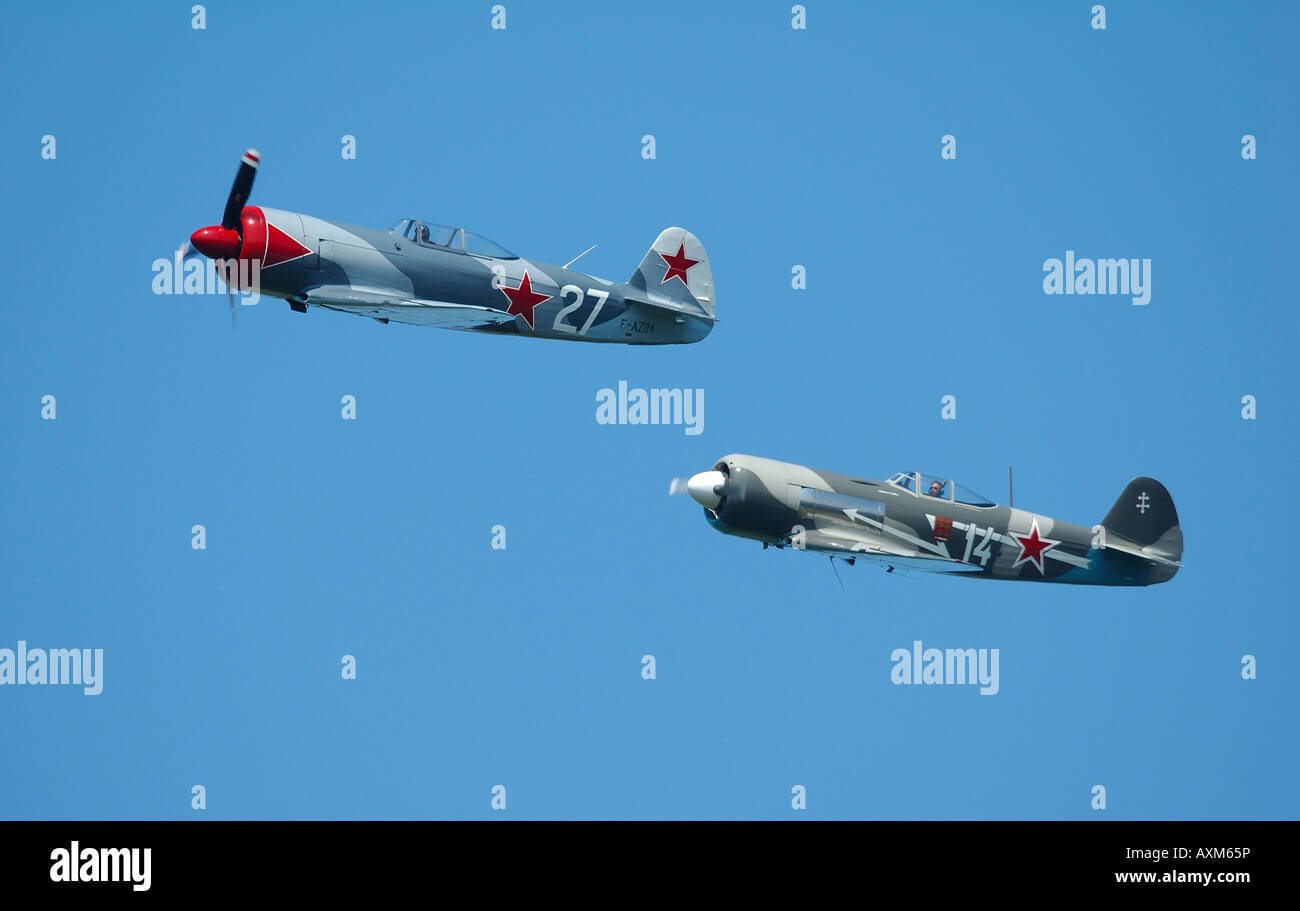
{"x": 677, "y": 264}
{"x": 523, "y": 299}
{"x": 1033, "y": 547}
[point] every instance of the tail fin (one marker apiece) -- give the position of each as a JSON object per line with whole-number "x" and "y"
{"x": 1144, "y": 514}
{"x": 675, "y": 274}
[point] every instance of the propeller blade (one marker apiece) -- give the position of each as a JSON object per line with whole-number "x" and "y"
{"x": 676, "y": 486}
{"x": 239, "y": 191}
{"x": 231, "y": 294}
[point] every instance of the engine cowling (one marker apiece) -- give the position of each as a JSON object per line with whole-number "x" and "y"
{"x": 242, "y": 254}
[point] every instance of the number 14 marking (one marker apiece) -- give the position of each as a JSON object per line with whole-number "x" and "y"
{"x": 982, "y": 551}
{"x": 578, "y": 297}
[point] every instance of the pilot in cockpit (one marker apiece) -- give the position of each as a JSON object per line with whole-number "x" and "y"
{"x": 423, "y": 235}
{"x": 936, "y": 489}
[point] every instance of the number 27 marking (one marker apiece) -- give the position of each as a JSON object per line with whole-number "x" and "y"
{"x": 578, "y": 296}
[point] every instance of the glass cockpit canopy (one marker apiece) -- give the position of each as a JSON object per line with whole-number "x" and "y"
{"x": 939, "y": 487}
{"x": 428, "y": 234}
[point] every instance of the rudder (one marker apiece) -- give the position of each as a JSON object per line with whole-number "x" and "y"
{"x": 675, "y": 274}
{"x": 1145, "y": 515}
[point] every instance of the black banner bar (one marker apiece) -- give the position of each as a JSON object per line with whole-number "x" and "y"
{"x": 336, "y": 859}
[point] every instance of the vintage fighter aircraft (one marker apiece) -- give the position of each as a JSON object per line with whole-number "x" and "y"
{"x": 923, "y": 522}
{"x": 431, "y": 275}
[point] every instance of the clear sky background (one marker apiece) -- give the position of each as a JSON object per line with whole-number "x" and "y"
{"x": 522, "y": 667}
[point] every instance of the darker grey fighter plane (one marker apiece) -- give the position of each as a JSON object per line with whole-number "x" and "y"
{"x": 931, "y": 523}
{"x": 432, "y": 275}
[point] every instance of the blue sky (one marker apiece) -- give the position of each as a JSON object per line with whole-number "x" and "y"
{"x": 521, "y": 667}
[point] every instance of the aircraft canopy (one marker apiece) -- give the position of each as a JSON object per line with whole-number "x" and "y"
{"x": 947, "y": 490}
{"x": 428, "y": 234}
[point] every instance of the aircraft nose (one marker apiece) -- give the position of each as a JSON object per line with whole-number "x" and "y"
{"x": 216, "y": 242}
{"x": 706, "y": 487}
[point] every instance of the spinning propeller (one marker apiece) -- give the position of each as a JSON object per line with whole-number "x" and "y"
{"x": 224, "y": 243}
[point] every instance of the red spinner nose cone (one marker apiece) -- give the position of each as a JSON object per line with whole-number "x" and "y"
{"x": 216, "y": 242}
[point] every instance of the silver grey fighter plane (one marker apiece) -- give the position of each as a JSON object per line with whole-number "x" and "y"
{"x": 432, "y": 275}
{"x": 931, "y": 523}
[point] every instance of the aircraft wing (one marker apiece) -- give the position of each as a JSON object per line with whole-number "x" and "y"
{"x": 860, "y": 543}
{"x": 383, "y": 304}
